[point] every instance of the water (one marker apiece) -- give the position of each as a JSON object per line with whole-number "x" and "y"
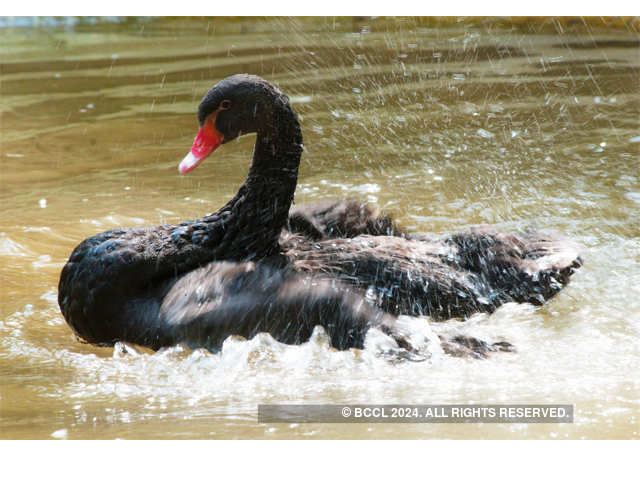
{"x": 443, "y": 127}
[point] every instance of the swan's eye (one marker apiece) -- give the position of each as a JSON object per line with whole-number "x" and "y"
{"x": 225, "y": 105}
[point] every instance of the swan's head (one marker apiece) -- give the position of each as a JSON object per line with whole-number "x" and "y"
{"x": 235, "y": 106}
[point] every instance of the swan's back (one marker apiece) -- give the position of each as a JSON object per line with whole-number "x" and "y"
{"x": 346, "y": 218}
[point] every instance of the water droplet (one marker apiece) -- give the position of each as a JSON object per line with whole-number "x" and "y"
{"x": 61, "y": 434}
{"x": 485, "y": 134}
{"x": 301, "y": 99}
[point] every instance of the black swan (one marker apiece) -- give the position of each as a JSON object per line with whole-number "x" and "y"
{"x": 240, "y": 271}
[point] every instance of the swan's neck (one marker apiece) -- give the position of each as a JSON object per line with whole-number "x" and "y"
{"x": 105, "y": 270}
{"x": 250, "y": 224}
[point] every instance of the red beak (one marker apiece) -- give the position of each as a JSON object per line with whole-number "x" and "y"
{"x": 207, "y": 140}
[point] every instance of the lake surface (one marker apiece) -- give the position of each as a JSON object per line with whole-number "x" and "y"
{"x": 443, "y": 127}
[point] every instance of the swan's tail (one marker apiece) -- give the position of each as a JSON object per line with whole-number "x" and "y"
{"x": 531, "y": 268}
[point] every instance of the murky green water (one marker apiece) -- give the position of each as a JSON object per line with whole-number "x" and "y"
{"x": 442, "y": 127}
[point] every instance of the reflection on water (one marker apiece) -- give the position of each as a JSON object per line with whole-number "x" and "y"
{"x": 443, "y": 127}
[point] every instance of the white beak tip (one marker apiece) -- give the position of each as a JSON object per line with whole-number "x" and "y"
{"x": 188, "y": 163}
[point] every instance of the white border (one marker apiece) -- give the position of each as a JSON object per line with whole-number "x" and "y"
{"x": 326, "y": 460}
